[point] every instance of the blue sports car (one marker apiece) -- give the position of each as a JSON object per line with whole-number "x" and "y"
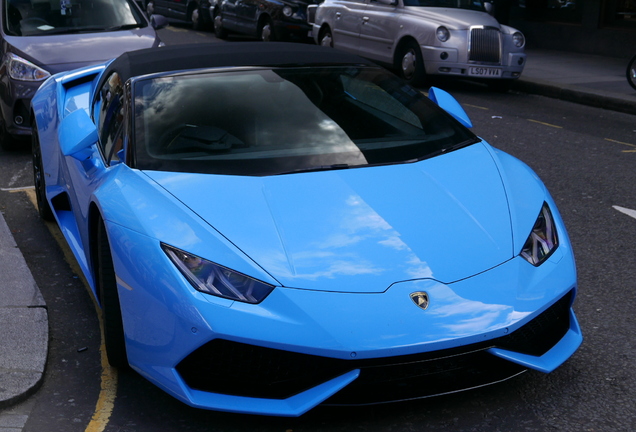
{"x": 270, "y": 227}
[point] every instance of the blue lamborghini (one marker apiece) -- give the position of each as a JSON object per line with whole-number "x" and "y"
{"x": 270, "y": 227}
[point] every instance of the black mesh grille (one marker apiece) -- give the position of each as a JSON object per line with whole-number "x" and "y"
{"x": 485, "y": 45}
{"x": 221, "y": 366}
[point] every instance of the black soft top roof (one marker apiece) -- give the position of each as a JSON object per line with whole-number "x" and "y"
{"x": 210, "y": 55}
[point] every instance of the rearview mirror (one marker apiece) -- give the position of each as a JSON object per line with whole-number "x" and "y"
{"x": 77, "y": 133}
{"x": 449, "y": 104}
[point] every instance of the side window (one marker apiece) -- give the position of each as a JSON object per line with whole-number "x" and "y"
{"x": 110, "y": 117}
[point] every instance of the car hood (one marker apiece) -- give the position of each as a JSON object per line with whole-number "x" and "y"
{"x": 364, "y": 229}
{"x": 454, "y": 18}
{"x": 58, "y": 53}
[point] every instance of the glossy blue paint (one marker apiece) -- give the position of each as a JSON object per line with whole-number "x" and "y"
{"x": 77, "y": 133}
{"x": 360, "y": 230}
{"x": 344, "y": 249}
{"x": 449, "y": 104}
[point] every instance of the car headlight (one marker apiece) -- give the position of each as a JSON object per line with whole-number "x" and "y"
{"x": 543, "y": 239}
{"x": 287, "y": 11}
{"x": 23, "y": 70}
{"x": 442, "y": 34}
{"x": 518, "y": 39}
{"x": 210, "y": 278}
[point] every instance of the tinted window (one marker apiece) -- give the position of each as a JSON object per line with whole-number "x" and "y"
{"x": 460, "y": 4}
{"x": 264, "y": 122}
{"x": 45, "y": 17}
{"x": 109, "y": 111}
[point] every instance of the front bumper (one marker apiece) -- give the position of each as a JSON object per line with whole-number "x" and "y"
{"x": 298, "y": 348}
{"x": 447, "y": 62}
{"x": 15, "y": 102}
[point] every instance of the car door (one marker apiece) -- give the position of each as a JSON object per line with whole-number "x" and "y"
{"x": 171, "y": 8}
{"x": 346, "y": 21}
{"x": 230, "y": 14}
{"x": 379, "y": 29}
{"x": 247, "y": 14}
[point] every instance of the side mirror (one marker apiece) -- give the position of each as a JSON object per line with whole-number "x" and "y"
{"x": 388, "y": 2}
{"x": 449, "y": 104}
{"x": 489, "y": 7}
{"x": 77, "y": 133}
{"x": 158, "y": 21}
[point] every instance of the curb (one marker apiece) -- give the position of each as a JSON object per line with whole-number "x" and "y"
{"x": 573, "y": 94}
{"x": 24, "y": 326}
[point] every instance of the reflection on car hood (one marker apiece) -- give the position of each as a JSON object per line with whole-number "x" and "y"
{"x": 58, "y": 53}
{"x": 454, "y": 18}
{"x": 361, "y": 230}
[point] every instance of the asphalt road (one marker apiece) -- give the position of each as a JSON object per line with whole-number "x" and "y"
{"x": 586, "y": 158}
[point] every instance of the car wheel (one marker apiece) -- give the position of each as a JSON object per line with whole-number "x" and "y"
{"x": 631, "y": 72}
{"x": 109, "y": 297}
{"x": 266, "y": 32}
{"x": 411, "y": 64}
{"x": 195, "y": 17}
{"x": 150, "y": 8}
{"x": 44, "y": 209}
{"x": 219, "y": 31}
{"x": 326, "y": 39}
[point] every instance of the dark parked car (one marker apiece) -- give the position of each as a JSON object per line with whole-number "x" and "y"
{"x": 195, "y": 12}
{"x": 41, "y": 38}
{"x": 267, "y": 20}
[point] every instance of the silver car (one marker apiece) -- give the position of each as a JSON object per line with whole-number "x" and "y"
{"x": 424, "y": 37}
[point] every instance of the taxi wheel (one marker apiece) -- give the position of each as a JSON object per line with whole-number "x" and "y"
{"x": 411, "y": 64}
{"x": 326, "y": 39}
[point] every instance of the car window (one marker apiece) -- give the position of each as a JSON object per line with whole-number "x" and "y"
{"x": 457, "y": 4}
{"x": 45, "y": 17}
{"x": 109, "y": 111}
{"x": 266, "y": 122}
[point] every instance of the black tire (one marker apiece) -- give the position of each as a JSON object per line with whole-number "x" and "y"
{"x": 631, "y": 72}
{"x": 150, "y": 8}
{"x": 44, "y": 209}
{"x": 326, "y": 38}
{"x": 195, "y": 18}
{"x": 109, "y": 298}
{"x": 266, "y": 31}
{"x": 219, "y": 31}
{"x": 411, "y": 65}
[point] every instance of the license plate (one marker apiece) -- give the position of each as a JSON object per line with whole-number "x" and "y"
{"x": 484, "y": 72}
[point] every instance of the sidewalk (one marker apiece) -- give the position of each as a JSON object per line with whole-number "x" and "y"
{"x": 581, "y": 78}
{"x": 24, "y": 327}
{"x": 585, "y": 79}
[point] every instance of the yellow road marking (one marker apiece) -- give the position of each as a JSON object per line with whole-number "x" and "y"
{"x": 546, "y": 124}
{"x": 478, "y": 107}
{"x": 624, "y": 143}
{"x": 108, "y": 386}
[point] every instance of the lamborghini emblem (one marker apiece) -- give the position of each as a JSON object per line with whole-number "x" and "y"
{"x": 420, "y": 298}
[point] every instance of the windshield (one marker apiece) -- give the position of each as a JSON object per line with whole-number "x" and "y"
{"x": 477, "y": 5}
{"x": 45, "y": 17}
{"x": 267, "y": 122}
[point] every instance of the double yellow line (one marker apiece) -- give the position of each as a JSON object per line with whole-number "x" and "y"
{"x": 108, "y": 386}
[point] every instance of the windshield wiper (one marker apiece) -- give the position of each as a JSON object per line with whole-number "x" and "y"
{"x": 318, "y": 168}
{"x": 125, "y": 27}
